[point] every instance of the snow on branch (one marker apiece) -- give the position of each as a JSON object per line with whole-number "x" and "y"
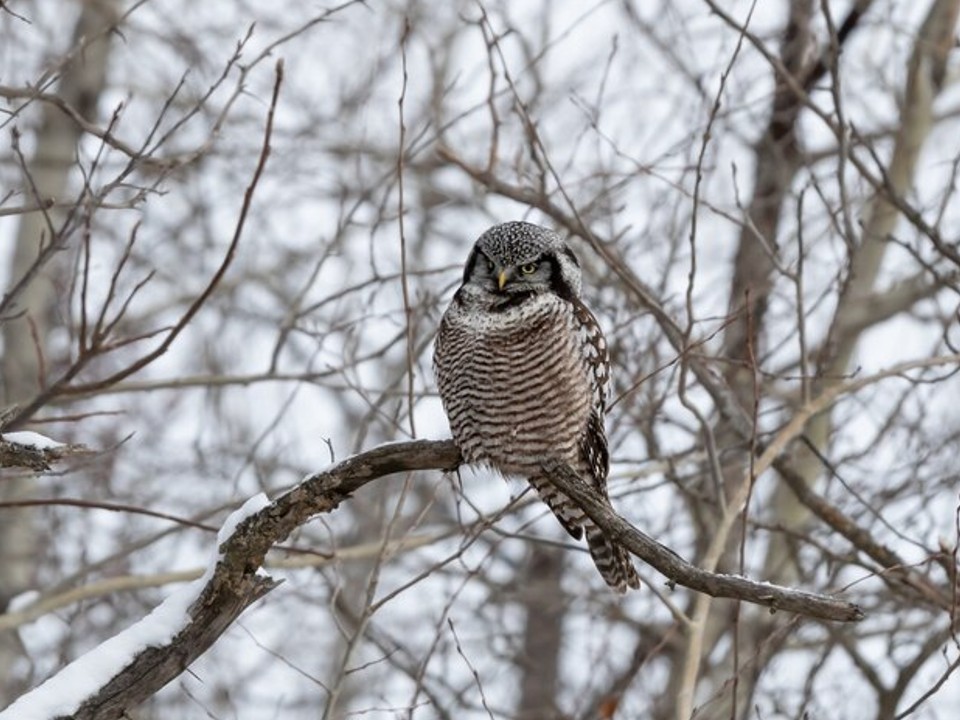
{"x": 128, "y": 669}
{"x": 33, "y": 451}
{"x": 87, "y": 686}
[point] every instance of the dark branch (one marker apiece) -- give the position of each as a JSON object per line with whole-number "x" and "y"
{"x": 680, "y": 572}
{"x": 236, "y": 584}
{"x": 237, "y": 581}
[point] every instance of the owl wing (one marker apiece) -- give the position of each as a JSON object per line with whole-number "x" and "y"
{"x": 596, "y": 358}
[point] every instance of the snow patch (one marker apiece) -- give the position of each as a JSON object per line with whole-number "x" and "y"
{"x": 22, "y": 601}
{"x": 251, "y": 507}
{"x": 63, "y": 693}
{"x": 31, "y": 439}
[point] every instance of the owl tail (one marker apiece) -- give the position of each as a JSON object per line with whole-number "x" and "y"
{"x": 612, "y": 560}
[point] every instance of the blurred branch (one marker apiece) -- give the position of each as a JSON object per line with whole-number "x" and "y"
{"x": 35, "y": 609}
{"x": 881, "y": 305}
{"x": 77, "y": 116}
{"x": 777, "y": 161}
{"x": 95, "y": 346}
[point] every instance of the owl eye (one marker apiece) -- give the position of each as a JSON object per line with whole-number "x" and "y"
{"x": 528, "y": 269}
{"x": 490, "y": 266}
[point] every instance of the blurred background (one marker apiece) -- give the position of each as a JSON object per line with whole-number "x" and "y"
{"x": 764, "y": 199}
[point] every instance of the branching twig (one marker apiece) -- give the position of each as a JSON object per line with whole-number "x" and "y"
{"x": 62, "y": 385}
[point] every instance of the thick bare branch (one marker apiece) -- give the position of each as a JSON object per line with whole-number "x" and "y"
{"x": 238, "y": 581}
{"x": 680, "y": 572}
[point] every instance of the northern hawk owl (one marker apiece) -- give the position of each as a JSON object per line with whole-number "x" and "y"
{"x": 523, "y": 368}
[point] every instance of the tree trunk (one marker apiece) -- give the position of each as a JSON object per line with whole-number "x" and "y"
{"x": 25, "y": 357}
{"x": 541, "y": 595}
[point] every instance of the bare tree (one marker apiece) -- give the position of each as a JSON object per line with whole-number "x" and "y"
{"x": 226, "y": 272}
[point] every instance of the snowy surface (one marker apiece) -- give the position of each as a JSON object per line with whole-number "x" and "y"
{"x": 31, "y": 439}
{"x": 251, "y": 507}
{"x": 63, "y": 693}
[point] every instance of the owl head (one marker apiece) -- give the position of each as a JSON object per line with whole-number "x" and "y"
{"x": 518, "y": 259}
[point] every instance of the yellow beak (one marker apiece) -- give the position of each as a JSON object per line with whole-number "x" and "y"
{"x": 502, "y": 279}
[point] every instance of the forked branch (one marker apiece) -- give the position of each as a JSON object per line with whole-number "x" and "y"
{"x": 237, "y": 580}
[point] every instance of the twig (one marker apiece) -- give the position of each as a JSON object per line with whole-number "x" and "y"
{"x": 404, "y": 279}
{"x": 61, "y": 386}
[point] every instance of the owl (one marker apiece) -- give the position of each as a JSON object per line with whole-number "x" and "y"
{"x": 522, "y": 368}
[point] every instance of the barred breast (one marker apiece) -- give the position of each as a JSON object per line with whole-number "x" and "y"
{"x": 527, "y": 383}
{"x": 514, "y": 384}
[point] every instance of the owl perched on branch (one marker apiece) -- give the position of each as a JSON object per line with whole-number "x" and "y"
{"x": 522, "y": 367}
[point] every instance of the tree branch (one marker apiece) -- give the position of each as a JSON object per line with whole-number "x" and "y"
{"x": 238, "y": 580}
{"x": 63, "y": 386}
{"x": 34, "y": 452}
{"x": 680, "y": 572}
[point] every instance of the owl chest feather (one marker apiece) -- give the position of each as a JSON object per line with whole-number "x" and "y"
{"x": 514, "y": 383}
